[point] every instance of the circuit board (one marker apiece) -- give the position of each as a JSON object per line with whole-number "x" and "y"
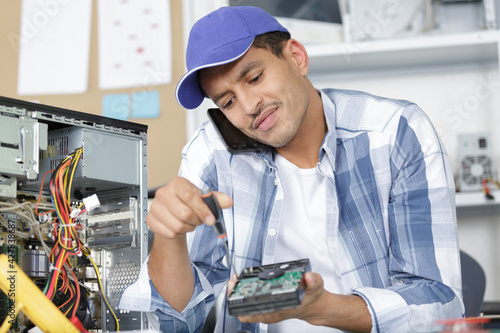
{"x": 269, "y": 288}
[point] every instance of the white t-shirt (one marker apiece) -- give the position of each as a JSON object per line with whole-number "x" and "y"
{"x": 302, "y": 232}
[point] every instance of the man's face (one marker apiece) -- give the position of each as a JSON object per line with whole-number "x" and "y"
{"x": 264, "y": 96}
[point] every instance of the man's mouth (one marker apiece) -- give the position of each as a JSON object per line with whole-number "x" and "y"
{"x": 265, "y": 120}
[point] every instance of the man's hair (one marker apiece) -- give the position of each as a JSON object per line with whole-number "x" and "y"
{"x": 272, "y": 41}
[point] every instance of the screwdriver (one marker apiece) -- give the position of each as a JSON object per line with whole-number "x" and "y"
{"x": 219, "y": 227}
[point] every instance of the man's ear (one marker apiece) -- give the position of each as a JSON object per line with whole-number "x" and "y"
{"x": 299, "y": 55}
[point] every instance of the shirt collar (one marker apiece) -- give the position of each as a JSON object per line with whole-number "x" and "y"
{"x": 329, "y": 145}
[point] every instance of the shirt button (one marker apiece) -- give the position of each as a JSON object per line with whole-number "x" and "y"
{"x": 275, "y": 181}
{"x": 272, "y": 232}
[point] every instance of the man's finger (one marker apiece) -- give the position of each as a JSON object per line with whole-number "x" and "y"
{"x": 231, "y": 283}
{"x": 313, "y": 280}
{"x": 223, "y": 199}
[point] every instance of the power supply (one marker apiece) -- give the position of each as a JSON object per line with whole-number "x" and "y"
{"x": 475, "y": 161}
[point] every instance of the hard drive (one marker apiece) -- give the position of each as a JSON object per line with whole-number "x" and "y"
{"x": 269, "y": 288}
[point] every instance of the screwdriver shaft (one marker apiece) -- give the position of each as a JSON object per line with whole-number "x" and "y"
{"x": 219, "y": 226}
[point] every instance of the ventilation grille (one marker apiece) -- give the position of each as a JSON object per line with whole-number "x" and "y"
{"x": 56, "y": 147}
{"x": 475, "y": 168}
{"x": 57, "y": 150}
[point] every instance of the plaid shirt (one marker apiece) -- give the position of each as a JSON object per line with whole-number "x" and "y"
{"x": 391, "y": 224}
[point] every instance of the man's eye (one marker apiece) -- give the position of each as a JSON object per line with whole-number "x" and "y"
{"x": 228, "y": 104}
{"x": 255, "y": 79}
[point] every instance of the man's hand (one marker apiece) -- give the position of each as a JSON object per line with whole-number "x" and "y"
{"x": 178, "y": 209}
{"x": 319, "y": 307}
{"x": 305, "y": 311}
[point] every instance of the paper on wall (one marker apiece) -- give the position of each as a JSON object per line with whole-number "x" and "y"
{"x": 134, "y": 43}
{"x": 54, "y": 43}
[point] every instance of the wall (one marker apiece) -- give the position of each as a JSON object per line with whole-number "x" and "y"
{"x": 166, "y": 134}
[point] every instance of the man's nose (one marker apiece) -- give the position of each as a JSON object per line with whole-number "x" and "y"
{"x": 249, "y": 101}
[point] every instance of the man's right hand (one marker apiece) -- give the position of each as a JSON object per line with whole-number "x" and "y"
{"x": 178, "y": 208}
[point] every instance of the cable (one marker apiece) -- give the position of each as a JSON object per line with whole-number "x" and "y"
{"x": 101, "y": 290}
{"x": 40, "y": 196}
{"x": 24, "y": 211}
{"x": 67, "y": 243}
{"x": 62, "y": 285}
{"x": 486, "y": 190}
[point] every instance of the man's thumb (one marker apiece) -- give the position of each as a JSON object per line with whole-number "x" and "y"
{"x": 313, "y": 280}
{"x": 223, "y": 199}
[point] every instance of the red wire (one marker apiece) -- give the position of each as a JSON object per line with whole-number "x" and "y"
{"x": 40, "y": 196}
{"x": 77, "y": 293}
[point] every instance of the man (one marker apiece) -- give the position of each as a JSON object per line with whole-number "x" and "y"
{"x": 358, "y": 184}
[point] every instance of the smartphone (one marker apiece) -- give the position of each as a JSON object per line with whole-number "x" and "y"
{"x": 236, "y": 141}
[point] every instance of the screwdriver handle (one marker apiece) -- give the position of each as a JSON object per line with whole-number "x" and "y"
{"x": 211, "y": 202}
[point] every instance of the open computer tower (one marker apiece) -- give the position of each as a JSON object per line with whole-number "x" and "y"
{"x": 35, "y": 140}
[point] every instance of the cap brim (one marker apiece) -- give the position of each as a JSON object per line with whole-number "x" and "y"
{"x": 188, "y": 92}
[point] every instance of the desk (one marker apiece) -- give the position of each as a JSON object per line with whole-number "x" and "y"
{"x": 473, "y": 204}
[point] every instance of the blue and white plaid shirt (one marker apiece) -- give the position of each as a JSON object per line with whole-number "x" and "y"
{"x": 391, "y": 224}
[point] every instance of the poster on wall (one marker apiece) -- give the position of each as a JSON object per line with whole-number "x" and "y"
{"x": 134, "y": 43}
{"x": 54, "y": 44}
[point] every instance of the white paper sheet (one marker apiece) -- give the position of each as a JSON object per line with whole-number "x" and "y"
{"x": 134, "y": 43}
{"x": 54, "y": 44}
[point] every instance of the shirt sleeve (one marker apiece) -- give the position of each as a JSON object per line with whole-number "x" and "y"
{"x": 424, "y": 262}
{"x": 142, "y": 296}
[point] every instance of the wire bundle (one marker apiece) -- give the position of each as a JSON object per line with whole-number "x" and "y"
{"x": 62, "y": 280}
{"x": 24, "y": 210}
{"x": 65, "y": 236}
{"x": 62, "y": 285}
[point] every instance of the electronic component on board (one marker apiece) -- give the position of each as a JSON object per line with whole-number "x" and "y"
{"x": 269, "y": 288}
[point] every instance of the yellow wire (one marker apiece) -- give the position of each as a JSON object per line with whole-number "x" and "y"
{"x": 64, "y": 176}
{"x": 75, "y": 160}
{"x": 56, "y": 203}
{"x": 103, "y": 293}
{"x": 58, "y": 266}
{"x": 71, "y": 232}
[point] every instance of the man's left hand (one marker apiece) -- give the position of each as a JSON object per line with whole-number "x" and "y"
{"x": 308, "y": 310}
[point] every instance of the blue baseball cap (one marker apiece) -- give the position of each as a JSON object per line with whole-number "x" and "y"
{"x": 219, "y": 38}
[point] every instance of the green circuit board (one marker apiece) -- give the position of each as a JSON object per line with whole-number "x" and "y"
{"x": 269, "y": 288}
{"x": 290, "y": 281}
